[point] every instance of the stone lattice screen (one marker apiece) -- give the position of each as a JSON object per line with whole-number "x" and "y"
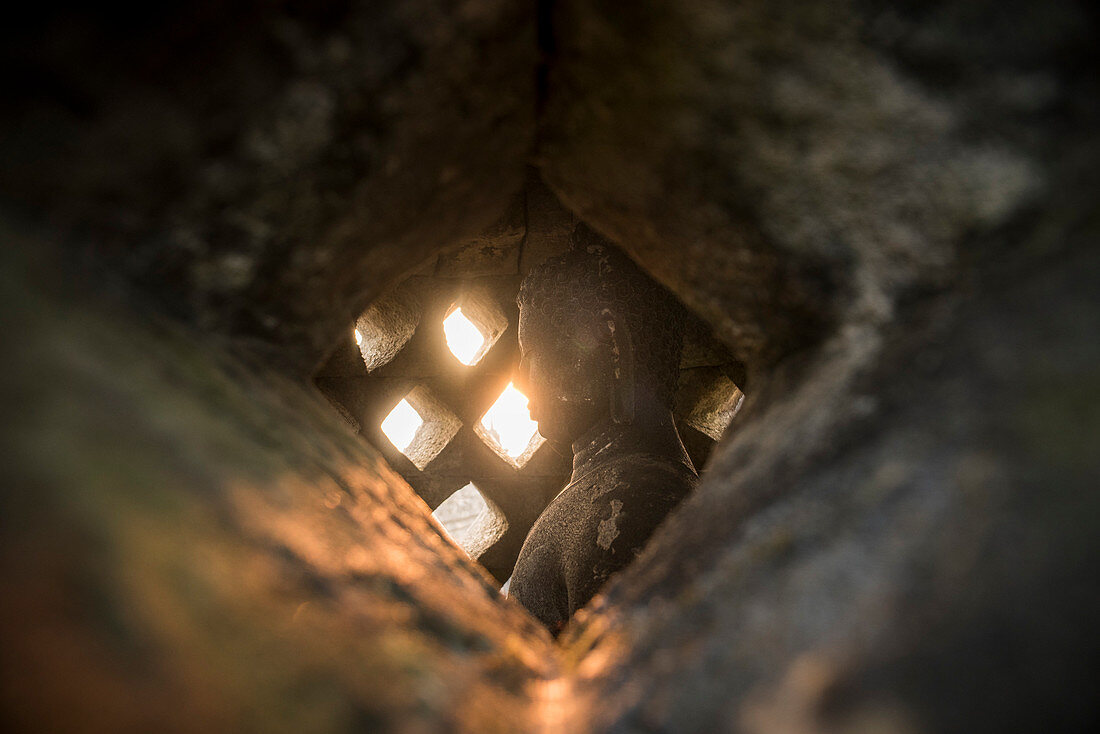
{"x": 398, "y": 352}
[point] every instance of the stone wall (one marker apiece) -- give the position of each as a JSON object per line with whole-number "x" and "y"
{"x": 195, "y": 542}
{"x": 886, "y": 211}
{"x": 897, "y": 534}
{"x": 403, "y": 354}
{"x": 261, "y": 168}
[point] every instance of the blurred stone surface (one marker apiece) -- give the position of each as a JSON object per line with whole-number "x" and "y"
{"x": 195, "y": 542}
{"x": 886, "y": 211}
{"x": 898, "y": 534}
{"x": 265, "y": 170}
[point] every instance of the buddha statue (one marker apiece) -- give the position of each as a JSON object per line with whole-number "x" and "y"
{"x": 600, "y": 343}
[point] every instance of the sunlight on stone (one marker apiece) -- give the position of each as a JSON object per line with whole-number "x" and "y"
{"x": 464, "y": 339}
{"x": 358, "y": 338}
{"x": 459, "y": 512}
{"x": 508, "y": 422}
{"x": 401, "y": 425}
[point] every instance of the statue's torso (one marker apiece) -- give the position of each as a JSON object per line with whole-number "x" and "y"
{"x": 594, "y": 528}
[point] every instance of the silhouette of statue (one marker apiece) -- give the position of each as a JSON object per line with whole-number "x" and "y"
{"x": 600, "y": 344}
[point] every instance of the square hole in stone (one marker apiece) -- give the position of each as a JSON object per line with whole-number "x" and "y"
{"x": 471, "y": 521}
{"x": 473, "y": 325}
{"x": 386, "y": 326}
{"x": 401, "y": 425}
{"x": 420, "y": 427}
{"x": 464, "y": 339}
{"x": 507, "y": 428}
{"x": 708, "y": 400}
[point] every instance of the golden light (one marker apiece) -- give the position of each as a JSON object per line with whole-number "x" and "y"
{"x": 509, "y": 424}
{"x": 401, "y": 425}
{"x": 358, "y": 338}
{"x": 464, "y": 339}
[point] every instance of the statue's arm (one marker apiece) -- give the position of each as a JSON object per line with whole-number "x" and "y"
{"x": 620, "y": 519}
{"x": 537, "y": 581}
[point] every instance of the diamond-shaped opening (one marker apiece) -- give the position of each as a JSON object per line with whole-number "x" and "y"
{"x": 402, "y": 424}
{"x": 464, "y": 339}
{"x": 473, "y": 522}
{"x": 507, "y": 428}
{"x": 386, "y": 326}
{"x": 420, "y": 427}
{"x": 472, "y": 326}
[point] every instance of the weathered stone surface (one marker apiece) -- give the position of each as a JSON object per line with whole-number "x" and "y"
{"x": 897, "y": 533}
{"x": 549, "y": 224}
{"x": 780, "y": 168}
{"x": 494, "y": 251}
{"x": 192, "y": 542}
{"x": 888, "y": 212}
{"x": 902, "y": 536}
{"x": 267, "y": 171}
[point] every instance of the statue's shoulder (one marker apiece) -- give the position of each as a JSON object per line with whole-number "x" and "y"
{"x": 637, "y": 475}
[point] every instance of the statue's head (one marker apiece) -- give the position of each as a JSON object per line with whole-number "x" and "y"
{"x": 596, "y": 335}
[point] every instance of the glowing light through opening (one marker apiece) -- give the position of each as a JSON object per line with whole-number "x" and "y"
{"x": 509, "y": 424}
{"x": 464, "y": 339}
{"x": 401, "y": 425}
{"x": 358, "y": 338}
